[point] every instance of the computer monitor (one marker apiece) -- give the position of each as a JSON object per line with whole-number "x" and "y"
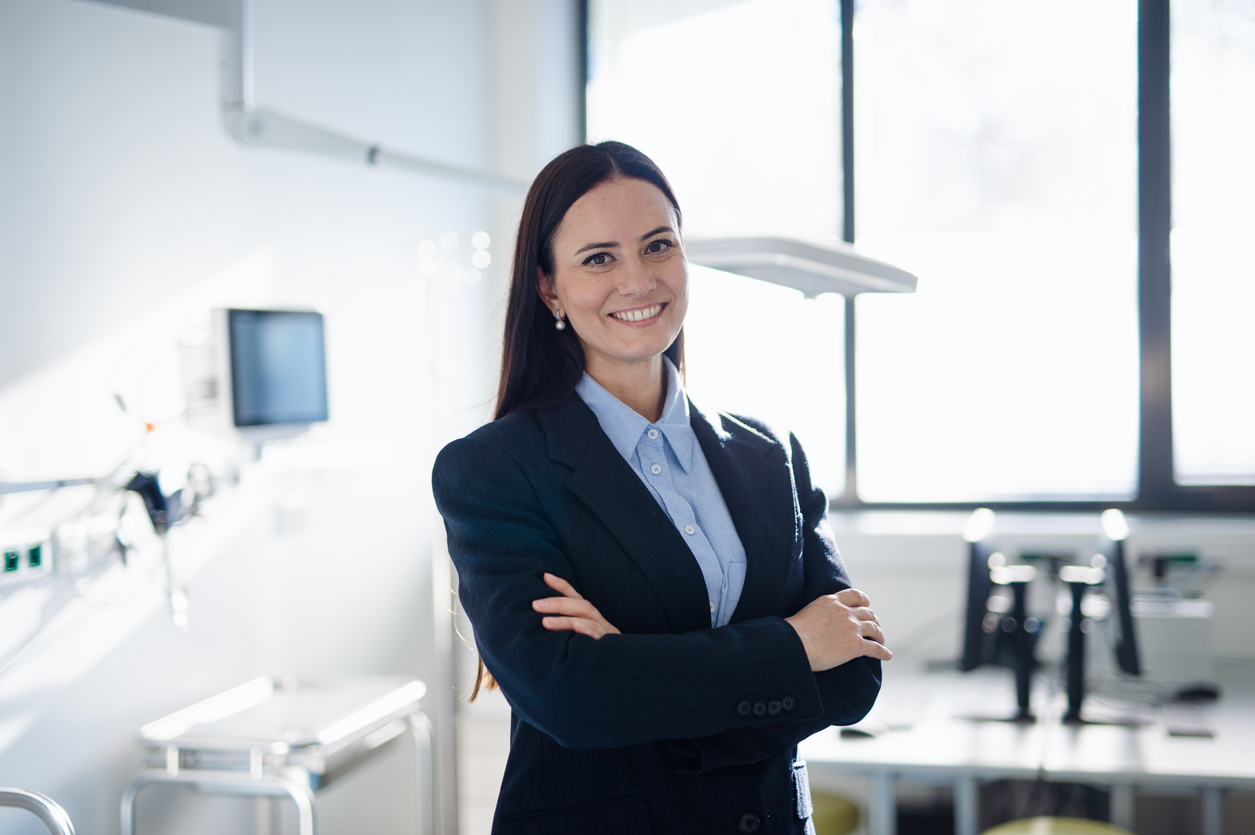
{"x": 272, "y": 371}
{"x": 1119, "y": 591}
{"x": 1110, "y": 568}
{"x": 1005, "y": 636}
{"x": 979, "y": 644}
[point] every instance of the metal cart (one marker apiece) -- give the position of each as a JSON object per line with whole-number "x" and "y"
{"x": 48, "y": 810}
{"x": 285, "y": 738}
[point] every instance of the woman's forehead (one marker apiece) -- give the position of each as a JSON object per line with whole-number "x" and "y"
{"x": 616, "y": 211}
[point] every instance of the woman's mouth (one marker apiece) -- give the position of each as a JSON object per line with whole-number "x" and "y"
{"x": 639, "y": 314}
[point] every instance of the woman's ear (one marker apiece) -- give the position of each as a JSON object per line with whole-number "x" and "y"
{"x": 544, "y": 287}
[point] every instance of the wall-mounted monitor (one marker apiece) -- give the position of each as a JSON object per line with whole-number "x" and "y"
{"x": 272, "y": 370}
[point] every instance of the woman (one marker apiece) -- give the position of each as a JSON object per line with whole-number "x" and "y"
{"x": 703, "y": 623}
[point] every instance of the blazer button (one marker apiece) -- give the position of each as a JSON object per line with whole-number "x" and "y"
{"x": 773, "y": 707}
{"x": 743, "y": 707}
{"x": 787, "y": 703}
{"x": 760, "y": 709}
{"x": 748, "y": 823}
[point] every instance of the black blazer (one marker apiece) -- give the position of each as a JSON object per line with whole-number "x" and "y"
{"x": 671, "y": 726}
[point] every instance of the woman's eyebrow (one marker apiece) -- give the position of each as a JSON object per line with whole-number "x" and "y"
{"x": 603, "y": 245}
{"x": 615, "y": 244}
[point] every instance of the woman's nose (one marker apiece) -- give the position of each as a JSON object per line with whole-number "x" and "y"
{"x": 637, "y": 280}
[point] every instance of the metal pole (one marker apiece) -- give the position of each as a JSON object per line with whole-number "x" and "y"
{"x": 47, "y": 809}
{"x": 884, "y": 811}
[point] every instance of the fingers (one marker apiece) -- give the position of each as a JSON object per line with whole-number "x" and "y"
{"x": 567, "y": 606}
{"x": 571, "y": 611}
{"x": 583, "y": 626}
{"x": 876, "y": 650}
{"x": 561, "y": 586}
{"x": 864, "y": 613}
{"x": 853, "y": 598}
{"x": 871, "y": 631}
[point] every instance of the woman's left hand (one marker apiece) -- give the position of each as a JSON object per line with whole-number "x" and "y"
{"x": 571, "y": 611}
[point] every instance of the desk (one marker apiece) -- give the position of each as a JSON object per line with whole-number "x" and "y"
{"x": 927, "y": 743}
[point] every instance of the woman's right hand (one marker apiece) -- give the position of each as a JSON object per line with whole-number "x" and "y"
{"x": 571, "y": 611}
{"x": 840, "y": 627}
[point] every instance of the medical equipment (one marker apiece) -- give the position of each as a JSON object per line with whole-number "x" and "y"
{"x": 286, "y": 738}
{"x": 47, "y": 809}
{"x": 269, "y": 372}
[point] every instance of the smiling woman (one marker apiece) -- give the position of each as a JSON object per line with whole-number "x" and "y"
{"x": 656, "y": 591}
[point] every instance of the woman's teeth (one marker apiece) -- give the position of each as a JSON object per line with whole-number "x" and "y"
{"x": 638, "y": 315}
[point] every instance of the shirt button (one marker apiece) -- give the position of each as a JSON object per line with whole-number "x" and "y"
{"x": 651, "y": 434}
{"x": 690, "y": 530}
{"x": 712, "y": 608}
{"x": 655, "y": 469}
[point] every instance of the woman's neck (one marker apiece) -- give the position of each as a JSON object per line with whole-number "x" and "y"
{"x": 641, "y": 386}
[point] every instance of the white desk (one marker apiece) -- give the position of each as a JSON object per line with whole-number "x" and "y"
{"x": 927, "y": 743}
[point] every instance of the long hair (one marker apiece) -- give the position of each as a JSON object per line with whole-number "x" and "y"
{"x": 541, "y": 365}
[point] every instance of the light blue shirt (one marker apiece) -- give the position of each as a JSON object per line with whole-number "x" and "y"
{"x": 668, "y": 459}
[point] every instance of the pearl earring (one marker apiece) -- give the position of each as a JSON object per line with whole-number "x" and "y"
{"x": 559, "y": 325}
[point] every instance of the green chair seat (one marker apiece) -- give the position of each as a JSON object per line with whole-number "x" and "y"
{"x": 1056, "y": 826}
{"x": 833, "y": 814}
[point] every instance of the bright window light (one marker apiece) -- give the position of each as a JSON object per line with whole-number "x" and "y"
{"x": 1213, "y": 282}
{"x": 740, "y": 104}
{"x": 996, "y": 159}
{"x": 756, "y": 349}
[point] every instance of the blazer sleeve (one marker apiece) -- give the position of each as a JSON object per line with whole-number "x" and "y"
{"x": 847, "y": 692}
{"x": 586, "y": 693}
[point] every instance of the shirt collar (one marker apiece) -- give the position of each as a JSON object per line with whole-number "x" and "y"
{"x": 624, "y": 426}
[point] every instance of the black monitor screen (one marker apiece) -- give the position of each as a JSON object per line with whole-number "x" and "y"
{"x": 1121, "y": 592}
{"x": 278, "y": 367}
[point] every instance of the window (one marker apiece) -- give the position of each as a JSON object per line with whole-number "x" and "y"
{"x": 712, "y": 98}
{"x": 1004, "y": 174}
{"x": 1020, "y": 159}
{"x": 1213, "y": 281}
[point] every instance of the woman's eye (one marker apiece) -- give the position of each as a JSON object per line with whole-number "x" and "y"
{"x": 600, "y": 259}
{"x": 661, "y": 245}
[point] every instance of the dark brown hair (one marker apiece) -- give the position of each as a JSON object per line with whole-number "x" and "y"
{"x": 540, "y": 365}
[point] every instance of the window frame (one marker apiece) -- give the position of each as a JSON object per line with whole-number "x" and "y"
{"x": 1157, "y": 489}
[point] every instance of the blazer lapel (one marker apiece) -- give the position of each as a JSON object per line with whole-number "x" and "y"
{"x": 605, "y": 483}
{"x": 757, "y": 484}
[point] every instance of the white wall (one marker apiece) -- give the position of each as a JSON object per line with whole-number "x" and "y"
{"x": 125, "y": 213}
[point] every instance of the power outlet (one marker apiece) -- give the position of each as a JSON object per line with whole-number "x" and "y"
{"x": 25, "y": 555}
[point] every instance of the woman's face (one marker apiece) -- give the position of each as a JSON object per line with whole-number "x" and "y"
{"x": 619, "y": 276}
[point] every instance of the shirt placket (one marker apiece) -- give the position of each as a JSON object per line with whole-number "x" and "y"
{"x": 652, "y": 451}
